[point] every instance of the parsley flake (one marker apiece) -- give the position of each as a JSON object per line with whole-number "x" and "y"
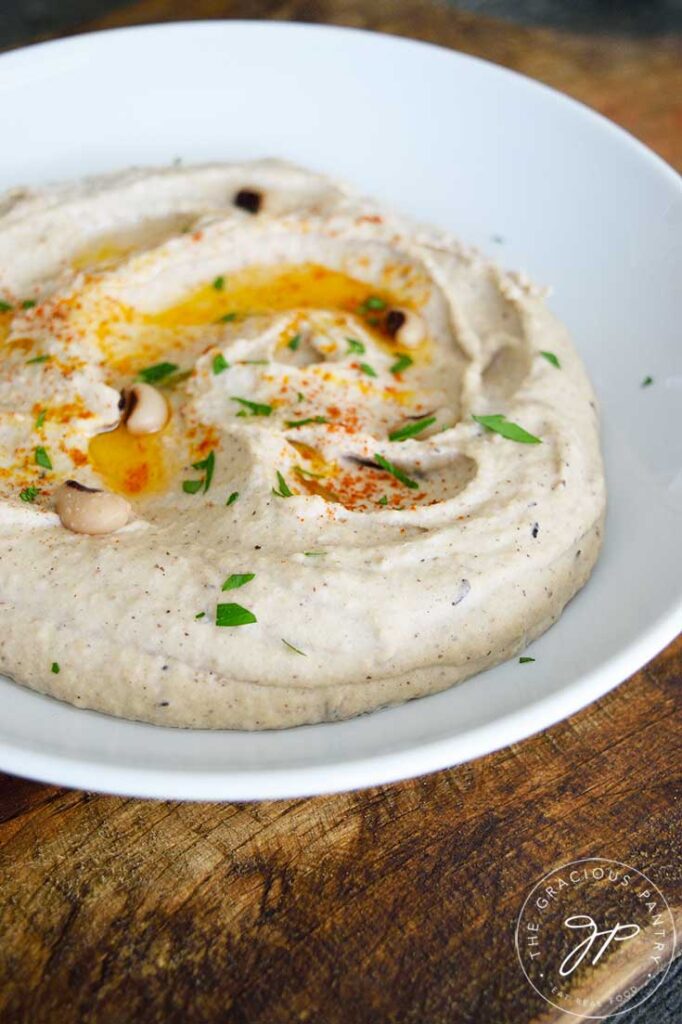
{"x": 233, "y": 615}
{"x": 314, "y": 554}
{"x": 40, "y": 418}
{"x": 200, "y": 615}
{"x": 383, "y": 501}
{"x": 237, "y": 579}
{"x": 209, "y": 465}
{"x": 402, "y": 363}
{"x": 37, "y": 359}
{"x": 5, "y": 307}
{"x": 284, "y": 490}
{"x": 42, "y": 458}
{"x": 411, "y": 429}
{"x": 310, "y": 419}
{"x": 373, "y": 302}
{"x": 219, "y": 283}
{"x": 252, "y": 408}
{"x": 28, "y": 304}
{"x": 226, "y": 318}
{"x": 294, "y": 649}
{"x": 55, "y": 668}
{"x": 369, "y": 370}
{"x": 233, "y": 497}
{"x": 355, "y": 346}
{"x": 192, "y": 486}
{"x": 219, "y": 364}
{"x": 499, "y": 424}
{"x": 551, "y": 358}
{"x": 524, "y": 661}
{"x": 397, "y": 473}
{"x": 646, "y": 382}
{"x": 29, "y": 494}
{"x": 294, "y": 342}
{"x": 159, "y": 371}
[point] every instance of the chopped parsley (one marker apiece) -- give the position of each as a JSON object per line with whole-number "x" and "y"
{"x": 159, "y": 371}
{"x": 310, "y": 419}
{"x": 5, "y": 307}
{"x": 252, "y": 408}
{"x": 369, "y": 370}
{"x": 207, "y": 464}
{"x": 294, "y": 342}
{"x": 300, "y": 397}
{"x": 237, "y": 579}
{"x": 226, "y": 318}
{"x": 200, "y": 615}
{"x": 397, "y": 473}
{"x": 176, "y": 378}
{"x": 29, "y": 494}
{"x": 551, "y": 358}
{"x": 402, "y": 363}
{"x": 37, "y": 359}
{"x": 499, "y": 424}
{"x": 42, "y": 458}
{"x": 411, "y": 429}
{"x": 284, "y": 491}
{"x": 192, "y": 486}
{"x": 219, "y": 364}
{"x": 40, "y": 418}
{"x": 383, "y": 501}
{"x": 219, "y": 283}
{"x": 355, "y": 346}
{"x": 28, "y": 304}
{"x": 314, "y": 554}
{"x": 233, "y": 497}
{"x": 373, "y": 302}
{"x": 55, "y": 668}
{"x": 524, "y": 661}
{"x": 647, "y": 381}
{"x": 233, "y": 615}
{"x": 294, "y": 649}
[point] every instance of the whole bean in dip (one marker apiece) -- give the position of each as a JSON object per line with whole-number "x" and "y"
{"x": 271, "y": 454}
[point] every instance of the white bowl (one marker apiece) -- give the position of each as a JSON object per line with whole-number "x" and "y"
{"x": 532, "y": 178}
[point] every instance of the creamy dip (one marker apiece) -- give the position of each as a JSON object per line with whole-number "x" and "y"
{"x": 379, "y": 472}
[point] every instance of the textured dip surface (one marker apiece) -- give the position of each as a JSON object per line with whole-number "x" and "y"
{"x": 380, "y": 473}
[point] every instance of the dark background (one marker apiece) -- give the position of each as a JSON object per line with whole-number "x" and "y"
{"x": 22, "y": 21}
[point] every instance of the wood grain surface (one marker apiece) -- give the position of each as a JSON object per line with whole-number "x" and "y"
{"x": 399, "y": 903}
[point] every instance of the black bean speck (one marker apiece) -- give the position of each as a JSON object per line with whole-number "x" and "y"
{"x": 394, "y": 321}
{"x": 247, "y": 199}
{"x": 164, "y": 703}
{"x": 536, "y": 529}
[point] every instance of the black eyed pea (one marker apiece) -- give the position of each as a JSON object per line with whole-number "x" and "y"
{"x": 145, "y": 411}
{"x": 406, "y": 327}
{"x": 87, "y": 510}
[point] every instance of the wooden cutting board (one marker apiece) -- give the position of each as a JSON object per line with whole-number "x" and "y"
{"x": 398, "y": 903}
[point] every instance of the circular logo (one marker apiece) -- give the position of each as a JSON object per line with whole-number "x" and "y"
{"x": 585, "y": 915}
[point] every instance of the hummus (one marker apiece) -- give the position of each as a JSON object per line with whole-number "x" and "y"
{"x": 379, "y": 471}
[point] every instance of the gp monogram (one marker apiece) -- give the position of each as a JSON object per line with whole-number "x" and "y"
{"x": 581, "y": 916}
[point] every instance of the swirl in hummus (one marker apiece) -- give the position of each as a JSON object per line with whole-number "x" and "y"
{"x": 364, "y": 464}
